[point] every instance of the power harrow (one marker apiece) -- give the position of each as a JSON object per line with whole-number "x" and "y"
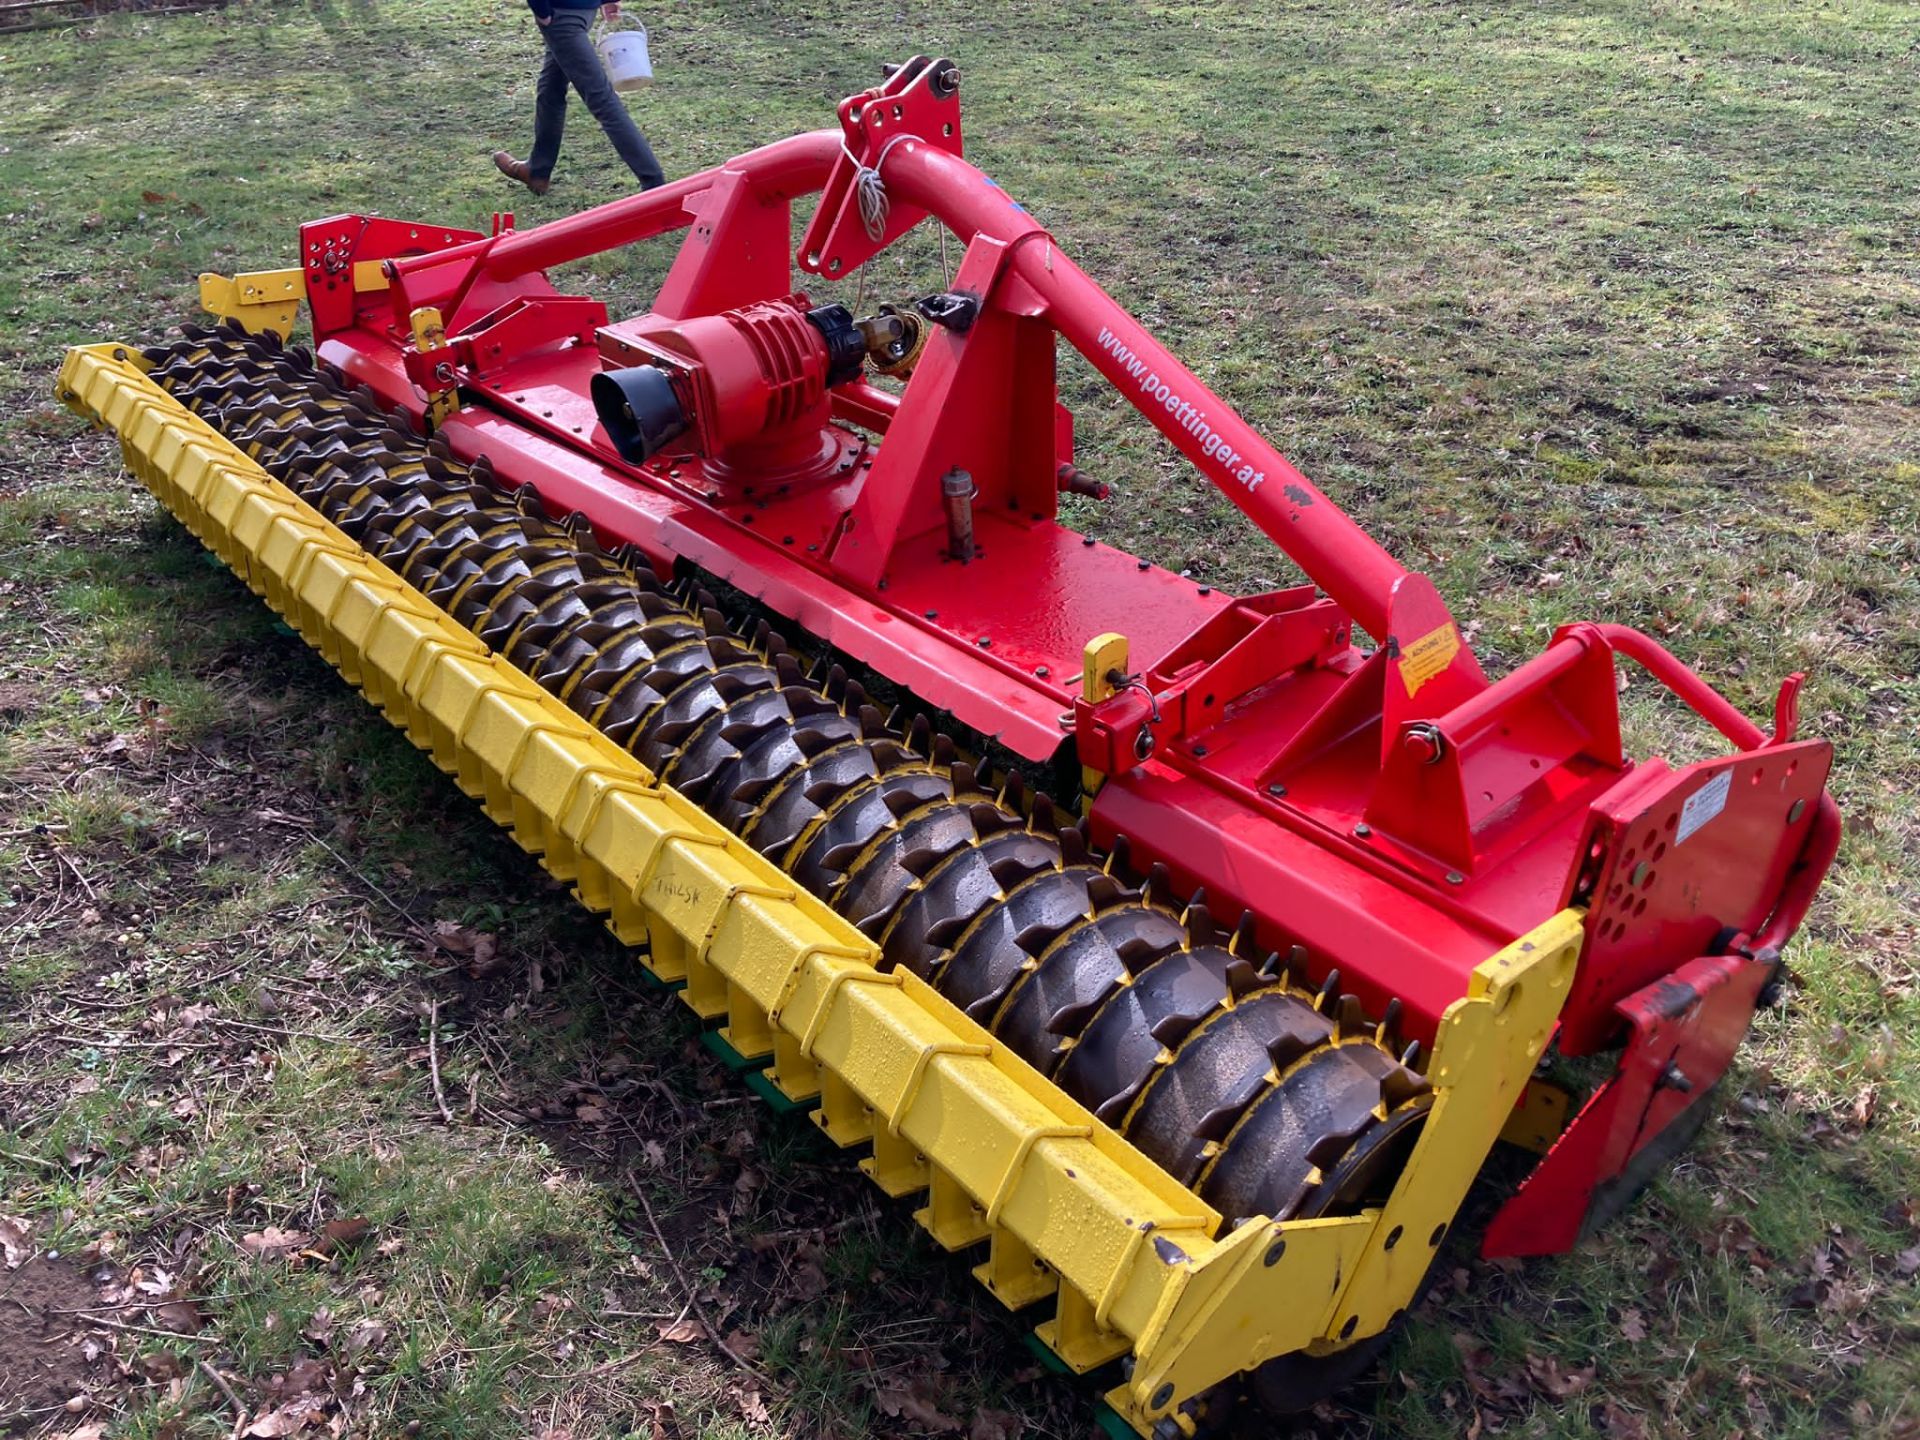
{"x": 1186, "y": 953}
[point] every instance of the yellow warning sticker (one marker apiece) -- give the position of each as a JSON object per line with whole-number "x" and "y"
{"x": 1428, "y": 656}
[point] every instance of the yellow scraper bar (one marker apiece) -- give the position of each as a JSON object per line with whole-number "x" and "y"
{"x": 1068, "y": 1207}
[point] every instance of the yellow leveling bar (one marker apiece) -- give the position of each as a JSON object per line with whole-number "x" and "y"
{"x": 1068, "y": 1206}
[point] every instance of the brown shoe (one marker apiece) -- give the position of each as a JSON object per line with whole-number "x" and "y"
{"x": 517, "y": 170}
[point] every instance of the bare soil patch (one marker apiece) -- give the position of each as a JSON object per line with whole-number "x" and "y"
{"x": 47, "y": 1354}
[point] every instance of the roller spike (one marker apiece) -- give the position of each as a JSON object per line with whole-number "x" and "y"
{"x": 1387, "y": 1032}
{"x": 1118, "y": 856}
{"x": 918, "y": 733}
{"x": 1350, "y": 1018}
{"x": 1199, "y": 922}
{"x": 1013, "y": 793}
{"x": 1271, "y": 969}
{"x": 1073, "y": 846}
{"x": 1105, "y": 892}
{"x": 1242, "y": 979}
{"x": 1329, "y": 991}
{"x": 1410, "y": 1057}
{"x": 963, "y": 778}
{"x": 1040, "y": 813}
{"x": 1244, "y": 942}
{"x": 1159, "y": 887}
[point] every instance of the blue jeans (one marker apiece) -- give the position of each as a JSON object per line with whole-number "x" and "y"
{"x": 572, "y": 60}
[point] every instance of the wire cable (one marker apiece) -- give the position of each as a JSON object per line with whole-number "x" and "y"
{"x": 870, "y": 191}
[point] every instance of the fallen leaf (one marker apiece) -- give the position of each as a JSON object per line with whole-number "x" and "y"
{"x": 1633, "y": 1325}
{"x": 306, "y": 1375}
{"x": 1556, "y": 1382}
{"x": 161, "y": 1366}
{"x": 272, "y": 1242}
{"x": 1907, "y": 1263}
{"x": 344, "y": 1234}
{"x": 157, "y": 1281}
{"x": 743, "y": 1345}
{"x": 994, "y": 1425}
{"x": 13, "y": 1241}
{"x": 1619, "y": 1424}
{"x": 1865, "y": 1104}
{"x": 155, "y": 197}
{"x": 917, "y": 1407}
{"x": 679, "y": 1332}
{"x": 754, "y": 1408}
{"x": 180, "y": 1316}
{"x": 486, "y": 960}
{"x": 288, "y": 1419}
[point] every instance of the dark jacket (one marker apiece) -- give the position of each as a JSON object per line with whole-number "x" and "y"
{"x": 545, "y": 8}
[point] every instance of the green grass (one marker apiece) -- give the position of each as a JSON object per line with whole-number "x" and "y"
{"x": 1589, "y": 311}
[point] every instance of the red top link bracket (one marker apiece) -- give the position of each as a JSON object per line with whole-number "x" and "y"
{"x": 919, "y": 103}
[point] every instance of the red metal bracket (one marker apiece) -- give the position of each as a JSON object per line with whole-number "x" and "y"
{"x": 1674, "y": 861}
{"x": 1237, "y": 651}
{"x": 1683, "y": 1030}
{"x": 518, "y": 328}
{"x": 333, "y": 250}
{"x": 983, "y": 401}
{"x": 735, "y": 252}
{"x": 919, "y": 102}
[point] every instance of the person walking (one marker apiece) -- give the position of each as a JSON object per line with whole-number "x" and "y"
{"x": 572, "y": 60}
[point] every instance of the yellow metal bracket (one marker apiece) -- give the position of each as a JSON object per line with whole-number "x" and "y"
{"x": 430, "y": 333}
{"x": 1269, "y": 1289}
{"x": 260, "y": 300}
{"x": 1105, "y": 655}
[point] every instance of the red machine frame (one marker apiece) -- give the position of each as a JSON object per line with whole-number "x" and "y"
{"x": 1388, "y": 808}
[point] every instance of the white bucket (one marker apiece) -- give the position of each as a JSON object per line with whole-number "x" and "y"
{"x": 624, "y": 53}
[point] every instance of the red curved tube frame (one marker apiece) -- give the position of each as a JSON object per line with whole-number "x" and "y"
{"x": 1340, "y": 557}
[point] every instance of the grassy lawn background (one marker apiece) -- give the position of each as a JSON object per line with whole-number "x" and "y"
{"x": 1591, "y": 311}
